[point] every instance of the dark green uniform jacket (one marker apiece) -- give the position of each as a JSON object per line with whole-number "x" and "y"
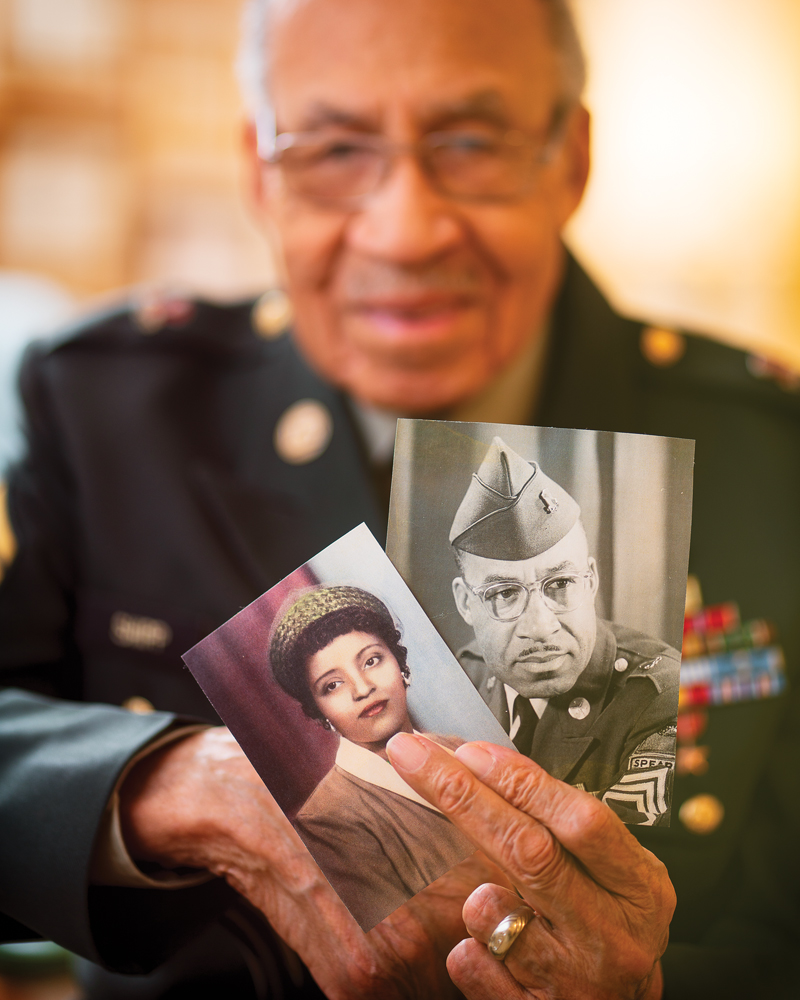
{"x": 613, "y": 732}
{"x": 152, "y": 490}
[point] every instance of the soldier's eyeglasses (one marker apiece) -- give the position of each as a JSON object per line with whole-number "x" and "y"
{"x": 506, "y": 601}
{"x": 341, "y": 168}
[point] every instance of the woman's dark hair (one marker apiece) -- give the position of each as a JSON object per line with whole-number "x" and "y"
{"x": 313, "y": 622}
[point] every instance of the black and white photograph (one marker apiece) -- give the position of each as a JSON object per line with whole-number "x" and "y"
{"x": 313, "y": 679}
{"x": 553, "y": 563}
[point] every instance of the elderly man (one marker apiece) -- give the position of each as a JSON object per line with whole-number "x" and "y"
{"x": 417, "y": 161}
{"x": 591, "y": 701}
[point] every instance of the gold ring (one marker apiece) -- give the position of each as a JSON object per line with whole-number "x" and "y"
{"x": 508, "y": 930}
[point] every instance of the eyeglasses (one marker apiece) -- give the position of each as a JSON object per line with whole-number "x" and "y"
{"x": 341, "y": 168}
{"x": 506, "y": 601}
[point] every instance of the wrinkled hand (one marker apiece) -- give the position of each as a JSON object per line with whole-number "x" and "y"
{"x": 603, "y": 902}
{"x": 200, "y": 803}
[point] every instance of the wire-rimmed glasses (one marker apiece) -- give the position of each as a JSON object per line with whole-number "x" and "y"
{"x": 507, "y": 600}
{"x": 342, "y": 167}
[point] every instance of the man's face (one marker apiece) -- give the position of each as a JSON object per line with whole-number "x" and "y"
{"x": 541, "y": 654}
{"x": 414, "y": 301}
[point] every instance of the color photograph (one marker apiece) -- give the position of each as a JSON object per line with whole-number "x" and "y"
{"x": 313, "y": 679}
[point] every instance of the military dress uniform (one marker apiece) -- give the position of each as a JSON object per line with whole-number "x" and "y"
{"x": 159, "y": 495}
{"x": 613, "y": 733}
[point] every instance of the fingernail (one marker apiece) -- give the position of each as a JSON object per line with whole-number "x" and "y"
{"x": 407, "y": 751}
{"x": 476, "y": 758}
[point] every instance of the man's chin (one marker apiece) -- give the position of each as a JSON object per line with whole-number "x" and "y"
{"x": 411, "y": 391}
{"x": 548, "y": 683}
{"x": 425, "y": 370}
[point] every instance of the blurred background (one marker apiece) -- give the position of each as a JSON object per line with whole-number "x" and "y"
{"x": 693, "y": 211}
{"x": 119, "y": 145}
{"x": 119, "y": 159}
{"x": 120, "y": 126}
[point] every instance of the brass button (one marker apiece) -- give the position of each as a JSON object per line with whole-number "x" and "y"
{"x": 620, "y": 664}
{"x": 579, "y": 708}
{"x": 662, "y": 348}
{"x": 702, "y": 813}
{"x": 272, "y": 314}
{"x": 138, "y": 705}
{"x": 8, "y": 541}
{"x": 303, "y": 432}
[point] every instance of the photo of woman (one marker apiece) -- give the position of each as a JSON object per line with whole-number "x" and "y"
{"x": 337, "y": 651}
{"x": 313, "y": 678}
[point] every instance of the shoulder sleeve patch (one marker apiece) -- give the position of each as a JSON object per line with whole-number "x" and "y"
{"x": 657, "y": 750}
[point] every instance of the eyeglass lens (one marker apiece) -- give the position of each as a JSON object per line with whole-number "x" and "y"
{"x": 460, "y": 164}
{"x": 508, "y": 601}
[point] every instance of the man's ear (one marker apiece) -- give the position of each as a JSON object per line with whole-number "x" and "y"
{"x": 254, "y": 181}
{"x": 260, "y": 185}
{"x": 461, "y": 594}
{"x": 576, "y": 160}
{"x": 259, "y": 177}
{"x": 595, "y": 579}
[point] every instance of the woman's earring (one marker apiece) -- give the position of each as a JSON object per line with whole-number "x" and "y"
{"x": 326, "y": 724}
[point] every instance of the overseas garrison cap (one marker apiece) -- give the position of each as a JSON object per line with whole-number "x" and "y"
{"x": 511, "y": 509}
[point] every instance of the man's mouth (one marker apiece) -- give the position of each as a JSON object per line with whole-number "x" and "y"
{"x": 543, "y": 656}
{"x": 373, "y": 709}
{"x": 423, "y": 315}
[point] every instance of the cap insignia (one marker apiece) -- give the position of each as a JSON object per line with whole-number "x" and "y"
{"x": 549, "y": 502}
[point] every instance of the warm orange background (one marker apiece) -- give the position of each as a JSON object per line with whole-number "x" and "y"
{"x": 119, "y": 162}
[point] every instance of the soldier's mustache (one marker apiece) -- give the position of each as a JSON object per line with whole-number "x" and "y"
{"x": 385, "y": 282}
{"x": 532, "y": 650}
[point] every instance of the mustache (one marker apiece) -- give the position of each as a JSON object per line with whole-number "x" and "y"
{"x": 372, "y": 279}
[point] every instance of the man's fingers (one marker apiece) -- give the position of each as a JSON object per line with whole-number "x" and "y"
{"x": 534, "y": 827}
{"x": 535, "y": 950}
{"x": 481, "y": 977}
{"x": 582, "y": 824}
{"x": 518, "y": 843}
{"x": 486, "y": 907}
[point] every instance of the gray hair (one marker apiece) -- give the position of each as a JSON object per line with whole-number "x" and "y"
{"x": 252, "y": 62}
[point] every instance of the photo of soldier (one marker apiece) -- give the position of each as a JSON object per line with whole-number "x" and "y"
{"x": 594, "y": 701}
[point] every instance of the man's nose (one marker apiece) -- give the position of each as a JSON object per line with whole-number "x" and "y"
{"x": 406, "y": 220}
{"x": 537, "y": 620}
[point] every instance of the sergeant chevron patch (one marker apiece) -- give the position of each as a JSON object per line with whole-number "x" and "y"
{"x": 644, "y": 792}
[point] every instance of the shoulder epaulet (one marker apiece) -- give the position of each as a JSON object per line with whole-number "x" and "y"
{"x": 700, "y": 361}
{"x": 642, "y": 656}
{"x": 658, "y": 668}
{"x": 145, "y": 321}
